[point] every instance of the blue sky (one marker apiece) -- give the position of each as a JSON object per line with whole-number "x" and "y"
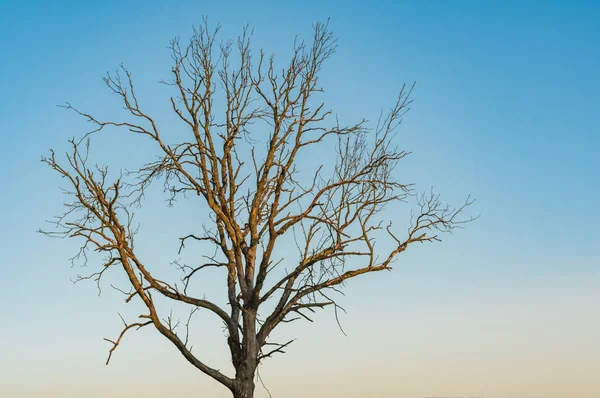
{"x": 507, "y": 109}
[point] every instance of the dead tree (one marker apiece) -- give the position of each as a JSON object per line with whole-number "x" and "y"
{"x": 242, "y": 162}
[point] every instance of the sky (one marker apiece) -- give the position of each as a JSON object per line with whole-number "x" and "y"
{"x": 506, "y": 109}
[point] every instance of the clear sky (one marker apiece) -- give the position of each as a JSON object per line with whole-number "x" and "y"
{"x": 507, "y": 109}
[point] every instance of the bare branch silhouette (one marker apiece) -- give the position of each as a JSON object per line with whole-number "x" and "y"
{"x": 244, "y": 164}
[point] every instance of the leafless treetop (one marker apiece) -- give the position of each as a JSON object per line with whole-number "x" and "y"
{"x": 248, "y": 123}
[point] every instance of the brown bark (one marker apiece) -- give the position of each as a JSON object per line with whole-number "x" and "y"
{"x": 246, "y": 391}
{"x": 244, "y": 381}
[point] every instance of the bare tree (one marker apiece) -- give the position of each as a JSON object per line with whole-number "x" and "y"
{"x": 242, "y": 162}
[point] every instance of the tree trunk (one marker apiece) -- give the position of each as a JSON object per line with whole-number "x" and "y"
{"x": 244, "y": 390}
{"x": 245, "y": 372}
{"x": 245, "y": 381}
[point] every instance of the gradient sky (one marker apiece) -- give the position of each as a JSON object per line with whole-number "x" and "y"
{"x": 507, "y": 109}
